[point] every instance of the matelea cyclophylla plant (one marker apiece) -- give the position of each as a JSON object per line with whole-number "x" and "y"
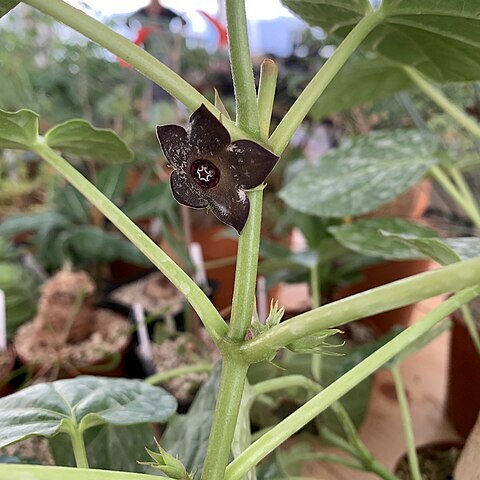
{"x": 422, "y": 29}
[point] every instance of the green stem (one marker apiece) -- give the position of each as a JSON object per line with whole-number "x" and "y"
{"x": 212, "y": 320}
{"x": 178, "y": 372}
{"x": 242, "y": 72}
{"x": 406, "y": 423}
{"x": 322, "y": 457}
{"x": 471, "y": 326}
{"x": 78, "y": 445}
{"x": 137, "y": 57}
{"x": 266, "y": 96}
{"x": 294, "y": 117}
{"x": 443, "y": 102}
{"x": 232, "y": 383}
{"x": 315, "y": 293}
{"x": 287, "y": 427}
{"x": 41, "y": 472}
{"x": 442, "y": 178}
{"x": 246, "y": 270}
{"x": 397, "y": 294}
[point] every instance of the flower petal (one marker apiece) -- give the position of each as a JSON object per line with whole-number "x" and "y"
{"x": 231, "y": 208}
{"x": 174, "y": 142}
{"x": 250, "y": 163}
{"x": 184, "y": 192}
{"x": 207, "y": 134}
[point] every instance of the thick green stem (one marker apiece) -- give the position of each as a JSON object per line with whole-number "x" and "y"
{"x": 178, "y": 372}
{"x": 266, "y": 96}
{"x": 78, "y": 446}
{"x": 387, "y": 297}
{"x": 442, "y": 178}
{"x": 41, "y": 472}
{"x": 241, "y": 64}
{"x": 407, "y": 423}
{"x": 287, "y": 427}
{"x": 232, "y": 383}
{"x": 443, "y": 102}
{"x": 294, "y": 117}
{"x": 212, "y": 320}
{"x": 246, "y": 271}
{"x": 137, "y": 57}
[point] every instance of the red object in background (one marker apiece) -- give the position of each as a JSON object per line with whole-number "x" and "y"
{"x": 221, "y": 29}
{"x": 141, "y": 38}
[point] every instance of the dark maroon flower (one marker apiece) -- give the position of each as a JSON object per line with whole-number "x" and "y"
{"x": 210, "y": 170}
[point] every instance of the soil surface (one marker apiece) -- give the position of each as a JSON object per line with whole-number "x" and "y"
{"x": 182, "y": 351}
{"x": 435, "y": 463}
{"x": 111, "y": 335}
{"x": 155, "y": 293}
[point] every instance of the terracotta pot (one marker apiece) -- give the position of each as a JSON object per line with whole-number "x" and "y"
{"x": 463, "y": 394}
{"x": 430, "y": 456}
{"x": 410, "y": 205}
{"x": 381, "y": 274}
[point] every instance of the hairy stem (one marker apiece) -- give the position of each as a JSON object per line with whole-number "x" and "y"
{"x": 242, "y": 72}
{"x": 380, "y": 299}
{"x": 212, "y": 320}
{"x": 287, "y": 427}
{"x": 294, "y": 117}
{"x": 406, "y": 423}
{"x": 229, "y": 399}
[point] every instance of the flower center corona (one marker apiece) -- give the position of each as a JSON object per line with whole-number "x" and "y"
{"x": 205, "y": 173}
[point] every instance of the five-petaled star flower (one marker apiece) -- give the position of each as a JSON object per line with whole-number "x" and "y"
{"x": 211, "y": 171}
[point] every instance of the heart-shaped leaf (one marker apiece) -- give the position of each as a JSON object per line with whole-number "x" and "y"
{"x": 81, "y": 403}
{"x": 6, "y": 6}
{"x": 439, "y": 38}
{"x": 365, "y": 237}
{"x": 18, "y": 130}
{"x": 81, "y": 140}
{"x": 362, "y": 175}
{"x": 359, "y": 82}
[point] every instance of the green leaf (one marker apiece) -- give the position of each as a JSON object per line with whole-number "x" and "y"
{"x": 443, "y": 251}
{"x": 31, "y": 223}
{"x": 439, "y": 38}
{"x": 187, "y": 435}
{"x": 108, "y": 447}
{"x": 18, "y": 130}
{"x": 366, "y": 237}
{"x": 359, "y": 82}
{"x": 6, "y": 6}
{"x": 331, "y": 15}
{"x": 150, "y": 201}
{"x": 72, "y": 204}
{"x": 362, "y": 175}
{"x": 81, "y": 140}
{"x": 112, "y": 181}
{"x": 81, "y": 403}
